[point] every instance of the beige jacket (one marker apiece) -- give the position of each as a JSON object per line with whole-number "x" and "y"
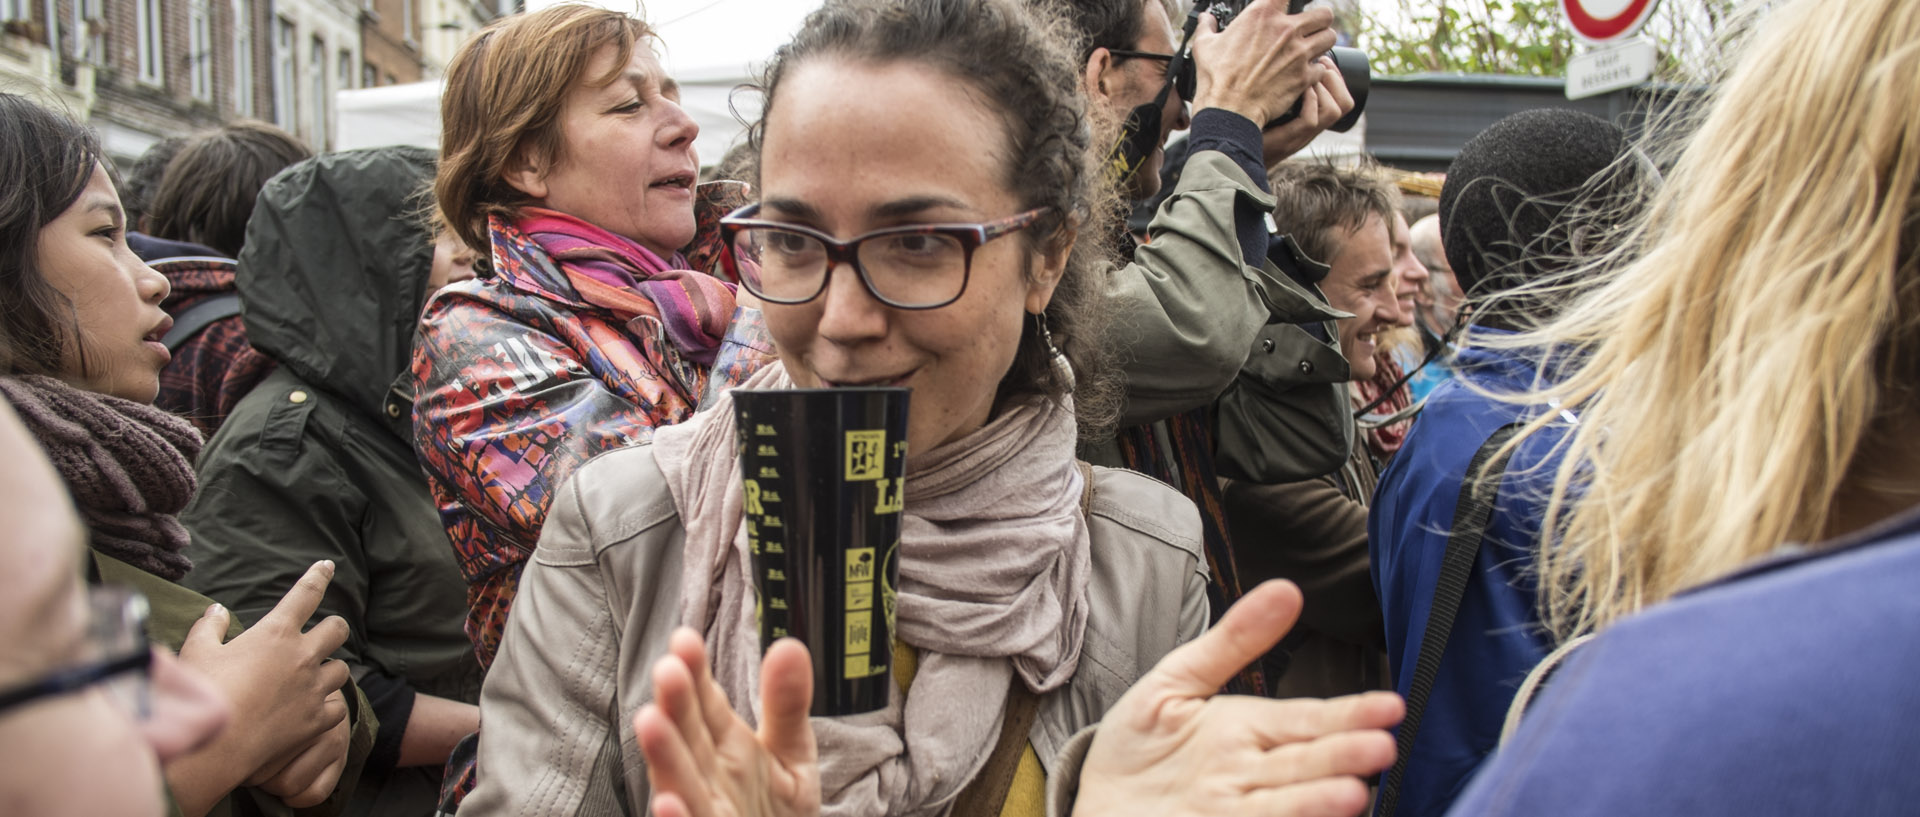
{"x": 600, "y": 597}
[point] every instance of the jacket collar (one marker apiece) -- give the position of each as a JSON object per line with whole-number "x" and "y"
{"x": 520, "y": 263}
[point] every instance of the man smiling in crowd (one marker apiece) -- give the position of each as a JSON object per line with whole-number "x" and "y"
{"x": 1314, "y": 532}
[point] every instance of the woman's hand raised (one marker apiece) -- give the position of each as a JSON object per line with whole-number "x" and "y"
{"x": 1171, "y": 747}
{"x": 702, "y": 758}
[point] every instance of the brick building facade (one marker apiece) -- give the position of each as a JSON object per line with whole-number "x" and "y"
{"x": 140, "y": 71}
{"x": 448, "y": 24}
{"x": 390, "y": 36}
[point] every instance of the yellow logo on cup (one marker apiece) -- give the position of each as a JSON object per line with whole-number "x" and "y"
{"x": 890, "y": 498}
{"x": 866, "y": 453}
{"x": 860, "y": 564}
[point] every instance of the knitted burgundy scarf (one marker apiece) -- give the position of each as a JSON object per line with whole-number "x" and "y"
{"x": 128, "y": 465}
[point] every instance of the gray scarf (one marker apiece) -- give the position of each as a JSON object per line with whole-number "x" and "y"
{"x": 128, "y": 465}
{"x": 993, "y": 581}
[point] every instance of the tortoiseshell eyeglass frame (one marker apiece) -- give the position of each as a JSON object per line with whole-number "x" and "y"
{"x": 970, "y": 236}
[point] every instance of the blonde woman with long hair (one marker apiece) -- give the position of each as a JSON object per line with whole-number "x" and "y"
{"x": 1746, "y": 457}
{"x": 1746, "y": 379}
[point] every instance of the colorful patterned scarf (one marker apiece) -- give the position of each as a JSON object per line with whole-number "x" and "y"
{"x": 1385, "y": 441}
{"x": 616, "y": 273}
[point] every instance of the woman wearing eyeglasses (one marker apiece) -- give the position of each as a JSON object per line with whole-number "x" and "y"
{"x": 925, "y": 170}
{"x": 80, "y": 361}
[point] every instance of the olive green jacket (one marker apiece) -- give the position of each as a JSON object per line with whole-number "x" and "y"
{"x": 1194, "y": 322}
{"x": 173, "y": 610}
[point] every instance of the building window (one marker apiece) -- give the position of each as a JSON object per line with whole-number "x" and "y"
{"x": 147, "y": 22}
{"x": 242, "y": 58}
{"x": 409, "y": 21}
{"x": 82, "y": 35}
{"x": 317, "y": 74}
{"x": 368, "y": 77}
{"x": 343, "y": 62}
{"x": 13, "y": 10}
{"x": 200, "y": 50}
{"x": 285, "y": 83}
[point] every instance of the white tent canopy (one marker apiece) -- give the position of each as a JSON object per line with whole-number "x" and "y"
{"x": 717, "y": 99}
{"x": 394, "y": 115}
{"x": 410, "y": 114}
{"x": 711, "y": 47}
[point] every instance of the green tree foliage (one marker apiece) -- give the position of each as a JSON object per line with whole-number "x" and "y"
{"x": 1527, "y": 37}
{"x": 1524, "y": 37}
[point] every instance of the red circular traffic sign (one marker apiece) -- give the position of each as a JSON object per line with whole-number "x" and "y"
{"x": 1591, "y": 26}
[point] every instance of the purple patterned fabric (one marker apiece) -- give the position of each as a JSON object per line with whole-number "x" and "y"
{"x": 617, "y": 273}
{"x": 519, "y": 378}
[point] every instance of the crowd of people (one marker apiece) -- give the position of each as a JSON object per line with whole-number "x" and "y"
{"x": 402, "y": 482}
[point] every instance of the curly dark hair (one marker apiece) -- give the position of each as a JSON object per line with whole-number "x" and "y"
{"x": 1020, "y": 61}
{"x": 47, "y": 160}
{"x": 1103, "y": 23}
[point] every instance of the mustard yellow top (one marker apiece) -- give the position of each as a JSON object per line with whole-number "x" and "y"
{"x": 1027, "y": 797}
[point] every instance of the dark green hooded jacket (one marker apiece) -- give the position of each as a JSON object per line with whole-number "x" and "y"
{"x": 316, "y": 463}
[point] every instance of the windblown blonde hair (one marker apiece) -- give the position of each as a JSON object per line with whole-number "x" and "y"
{"x": 1755, "y": 336}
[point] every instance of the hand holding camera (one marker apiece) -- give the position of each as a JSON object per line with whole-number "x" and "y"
{"x": 1328, "y": 91}
{"x": 1328, "y": 104}
{"x": 1265, "y": 61}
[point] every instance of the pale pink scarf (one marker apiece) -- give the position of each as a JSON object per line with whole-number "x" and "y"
{"x": 993, "y": 580}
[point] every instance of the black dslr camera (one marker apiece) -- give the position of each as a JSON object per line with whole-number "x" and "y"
{"x": 1355, "y": 69}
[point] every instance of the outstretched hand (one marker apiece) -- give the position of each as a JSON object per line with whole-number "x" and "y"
{"x": 1171, "y": 747}
{"x": 702, "y": 758}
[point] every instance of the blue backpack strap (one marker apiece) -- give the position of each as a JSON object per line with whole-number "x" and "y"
{"x": 200, "y": 316}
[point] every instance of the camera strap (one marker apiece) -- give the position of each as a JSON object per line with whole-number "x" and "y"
{"x": 1140, "y": 132}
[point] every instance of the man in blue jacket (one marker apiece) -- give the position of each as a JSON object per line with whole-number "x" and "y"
{"x": 1500, "y": 213}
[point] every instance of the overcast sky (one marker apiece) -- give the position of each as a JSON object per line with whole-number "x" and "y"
{"x": 706, "y": 34}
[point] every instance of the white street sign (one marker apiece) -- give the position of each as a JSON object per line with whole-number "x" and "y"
{"x": 1611, "y": 67}
{"x": 1599, "y": 21}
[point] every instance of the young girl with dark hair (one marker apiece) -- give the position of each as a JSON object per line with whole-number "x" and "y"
{"x": 80, "y": 361}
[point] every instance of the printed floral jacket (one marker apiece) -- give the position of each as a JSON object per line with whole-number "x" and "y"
{"x": 518, "y": 381}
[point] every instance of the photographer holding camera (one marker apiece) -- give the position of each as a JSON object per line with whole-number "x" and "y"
{"x": 1199, "y": 300}
{"x": 1200, "y": 287}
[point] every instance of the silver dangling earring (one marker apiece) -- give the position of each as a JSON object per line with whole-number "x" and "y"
{"x": 1046, "y": 337}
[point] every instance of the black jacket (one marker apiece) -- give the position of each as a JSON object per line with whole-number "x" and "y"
{"x": 316, "y": 463}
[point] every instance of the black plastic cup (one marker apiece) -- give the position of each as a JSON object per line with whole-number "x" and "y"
{"x": 822, "y": 472}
